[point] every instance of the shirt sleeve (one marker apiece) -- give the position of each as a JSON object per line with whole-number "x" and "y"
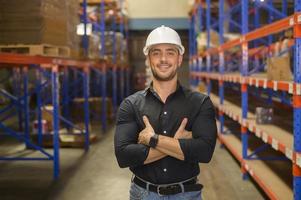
{"x": 127, "y": 151}
{"x": 201, "y": 147}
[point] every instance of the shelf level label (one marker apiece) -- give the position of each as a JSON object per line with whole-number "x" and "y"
{"x": 289, "y": 153}
{"x": 298, "y": 160}
{"x": 275, "y": 86}
{"x": 257, "y": 133}
{"x": 275, "y": 144}
{"x": 290, "y": 88}
{"x": 291, "y": 21}
{"x": 265, "y": 84}
{"x": 265, "y": 137}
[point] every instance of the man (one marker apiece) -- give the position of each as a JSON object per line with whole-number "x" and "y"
{"x": 165, "y": 131}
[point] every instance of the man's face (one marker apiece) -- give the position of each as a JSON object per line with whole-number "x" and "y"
{"x": 164, "y": 59}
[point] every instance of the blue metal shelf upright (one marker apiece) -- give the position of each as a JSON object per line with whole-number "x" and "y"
{"x": 297, "y": 103}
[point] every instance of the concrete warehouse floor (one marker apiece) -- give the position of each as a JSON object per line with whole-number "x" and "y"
{"x": 95, "y": 175}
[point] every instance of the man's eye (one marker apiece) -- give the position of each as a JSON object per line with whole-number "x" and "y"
{"x": 171, "y": 53}
{"x": 155, "y": 53}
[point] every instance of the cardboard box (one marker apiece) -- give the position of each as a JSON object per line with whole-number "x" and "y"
{"x": 50, "y": 22}
{"x": 279, "y": 69}
{"x": 202, "y": 87}
{"x": 66, "y": 140}
{"x": 202, "y": 40}
{"x": 47, "y": 115}
{"x": 264, "y": 115}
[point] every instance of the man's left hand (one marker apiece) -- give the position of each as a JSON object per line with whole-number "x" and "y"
{"x": 146, "y": 133}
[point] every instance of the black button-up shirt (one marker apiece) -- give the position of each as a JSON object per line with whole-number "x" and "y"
{"x": 165, "y": 119}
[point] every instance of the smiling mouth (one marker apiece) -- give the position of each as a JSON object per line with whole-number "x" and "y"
{"x": 164, "y": 66}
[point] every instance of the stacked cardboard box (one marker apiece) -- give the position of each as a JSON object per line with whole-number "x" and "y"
{"x": 73, "y": 40}
{"x": 279, "y": 69}
{"x": 95, "y": 45}
{"x": 113, "y": 13}
{"x": 39, "y": 22}
{"x": 94, "y": 11}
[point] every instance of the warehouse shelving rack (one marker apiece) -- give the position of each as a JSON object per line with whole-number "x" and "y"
{"x": 256, "y": 43}
{"x": 118, "y": 72}
{"x": 68, "y": 79}
{"x": 43, "y": 65}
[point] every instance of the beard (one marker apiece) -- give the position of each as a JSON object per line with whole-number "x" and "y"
{"x": 158, "y": 77}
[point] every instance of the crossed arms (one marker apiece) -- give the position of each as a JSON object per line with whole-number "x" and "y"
{"x": 192, "y": 146}
{"x": 166, "y": 145}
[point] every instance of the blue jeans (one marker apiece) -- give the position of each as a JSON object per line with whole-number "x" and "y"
{"x": 139, "y": 193}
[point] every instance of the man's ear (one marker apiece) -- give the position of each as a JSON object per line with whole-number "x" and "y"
{"x": 180, "y": 59}
{"x": 147, "y": 64}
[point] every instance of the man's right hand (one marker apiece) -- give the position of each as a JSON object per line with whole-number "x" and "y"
{"x": 181, "y": 132}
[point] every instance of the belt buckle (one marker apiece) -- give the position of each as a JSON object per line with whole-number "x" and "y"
{"x": 158, "y": 190}
{"x": 171, "y": 189}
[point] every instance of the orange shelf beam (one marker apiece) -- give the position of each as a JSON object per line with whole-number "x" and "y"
{"x": 20, "y": 59}
{"x": 230, "y": 44}
{"x": 288, "y": 86}
{"x": 275, "y": 27}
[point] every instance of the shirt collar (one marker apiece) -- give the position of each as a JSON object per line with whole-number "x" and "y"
{"x": 151, "y": 89}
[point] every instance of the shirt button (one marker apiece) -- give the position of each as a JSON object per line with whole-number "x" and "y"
{"x": 165, "y": 113}
{"x": 165, "y": 170}
{"x": 164, "y": 132}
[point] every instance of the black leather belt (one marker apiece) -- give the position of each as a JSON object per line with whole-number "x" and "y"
{"x": 170, "y": 189}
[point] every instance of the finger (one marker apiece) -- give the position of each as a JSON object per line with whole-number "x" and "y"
{"x": 146, "y": 121}
{"x": 183, "y": 124}
{"x": 189, "y": 134}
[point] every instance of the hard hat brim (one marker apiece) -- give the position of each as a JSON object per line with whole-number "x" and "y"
{"x": 179, "y": 47}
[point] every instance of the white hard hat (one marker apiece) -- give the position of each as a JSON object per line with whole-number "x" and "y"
{"x": 163, "y": 34}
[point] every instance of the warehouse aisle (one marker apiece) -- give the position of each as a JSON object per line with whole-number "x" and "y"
{"x": 96, "y": 176}
{"x": 223, "y": 180}
{"x": 99, "y": 177}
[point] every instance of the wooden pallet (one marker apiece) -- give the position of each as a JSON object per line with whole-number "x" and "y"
{"x": 37, "y": 49}
{"x": 66, "y": 140}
